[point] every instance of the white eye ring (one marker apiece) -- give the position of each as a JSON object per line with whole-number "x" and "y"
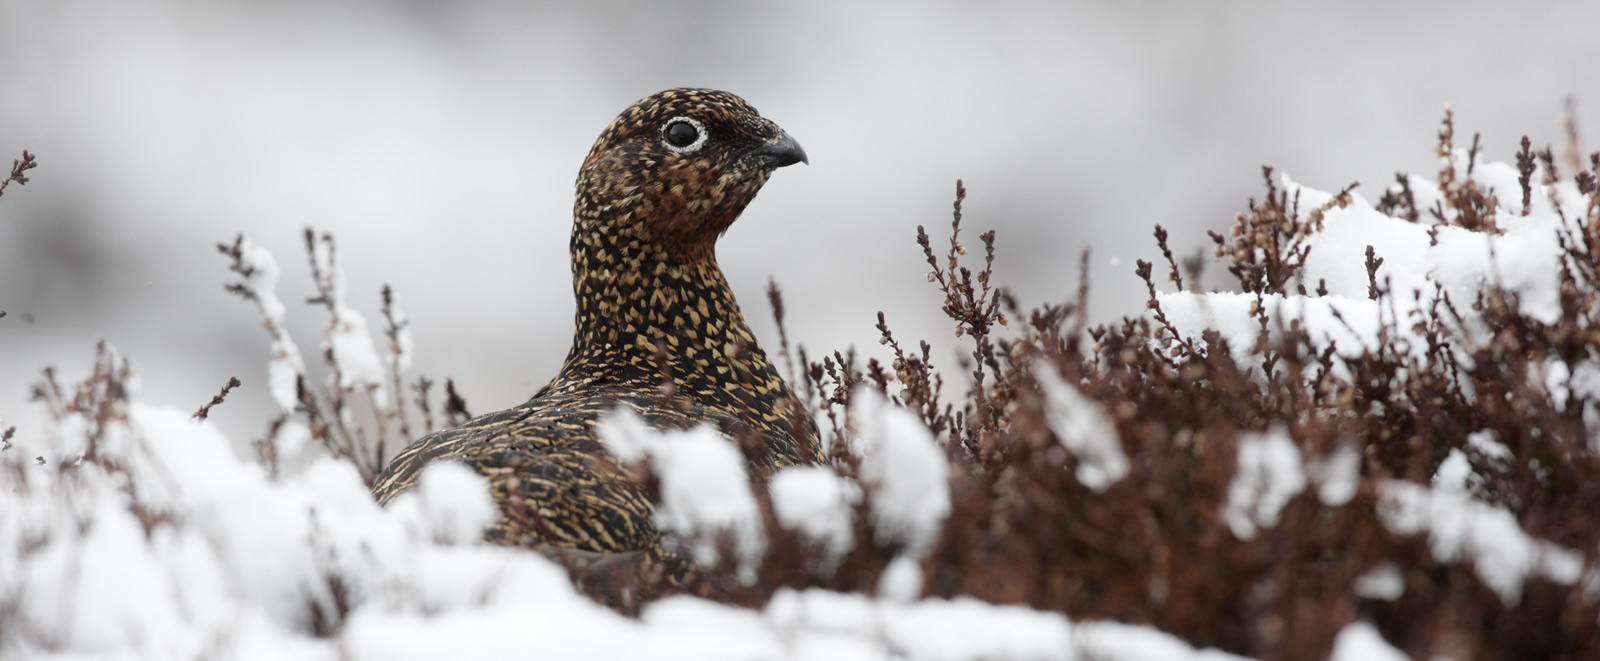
{"x": 700, "y": 131}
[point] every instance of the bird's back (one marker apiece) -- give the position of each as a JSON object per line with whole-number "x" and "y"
{"x": 552, "y": 479}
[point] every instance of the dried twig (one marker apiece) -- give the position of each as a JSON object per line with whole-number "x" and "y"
{"x": 233, "y": 382}
{"x": 18, "y": 168}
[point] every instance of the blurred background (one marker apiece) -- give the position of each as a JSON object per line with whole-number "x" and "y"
{"x": 439, "y": 141}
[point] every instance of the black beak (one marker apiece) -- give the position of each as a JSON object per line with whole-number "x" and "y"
{"x": 785, "y": 151}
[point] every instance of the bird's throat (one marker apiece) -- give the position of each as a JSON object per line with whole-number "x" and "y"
{"x": 645, "y": 317}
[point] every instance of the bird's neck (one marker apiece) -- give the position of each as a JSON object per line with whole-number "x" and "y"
{"x": 639, "y": 305}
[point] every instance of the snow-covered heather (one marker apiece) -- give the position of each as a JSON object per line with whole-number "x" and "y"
{"x": 1458, "y": 527}
{"x": 261, "y": 285}
{"x": 404, "y": 347}
{"x": 348, "y": 338}
{"x": 169, "y": 546}
{"x": 1524, "y": 258}
{"x": 1463, "y": 529}
{"x": 1419, "y": 258}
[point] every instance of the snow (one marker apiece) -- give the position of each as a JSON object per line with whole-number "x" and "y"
{"x": 1337, "y": 475}
{"x": 901, "y": 580}
{"x": 705, "y": 492}
{"x": 455, "y": 503}
{"x": 819, "y": 504}
{"x": 1113, "y": 640}
{"x": 1320, "y": 317}
{"x": 1084, "y": 429}
{"x": 1484, "y": 442}
{"x": 286, "y": 367}
{"x": 292, "y": 437}
{"x": 1360, "y": 641}
{"x": 1461, "y": 529}
{"x": 283, "y": 375}
{"x": 1454, "y": 473}
{"x": 263, "y": 278}
{"x": 1523, "y": 259}
{"x": 1270, "y": 473}
{"x": 859, "y": 627}
{"x": 1384, "y": 582}
{"x": 904, "y": 472}
{"x": 356, "y": 354}
{"x": 349, "y": 340}
{"x": 1347, "y": 232}
{"x": 103, "y": 583}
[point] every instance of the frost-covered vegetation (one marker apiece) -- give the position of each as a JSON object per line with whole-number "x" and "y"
{"x": 1380, "y": 440}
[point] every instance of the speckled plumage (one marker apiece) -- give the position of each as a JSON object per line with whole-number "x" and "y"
{"x": 645, "y": 223}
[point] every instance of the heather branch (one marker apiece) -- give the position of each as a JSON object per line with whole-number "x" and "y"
{"x": 1525, "y": 170}
{"x": 1572, "y": 149}
{"x": 421, "y": 387}
{"x": 395, "y": 324}
{"x": 775, "y": 298}
{"x": 1373, "y": 262}
{"x": 920, "y": 382}
{"x": 1400, "y": 203}
{"x": 1142, "y": 269}
{"x": 455, "y": 406}
{"x": 1173, "y": 274}
{"x": 233, "y": 382}
{"x": 18, "y": 168}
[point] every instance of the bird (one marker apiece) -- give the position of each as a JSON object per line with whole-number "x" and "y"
{"x": 657, "y": 331}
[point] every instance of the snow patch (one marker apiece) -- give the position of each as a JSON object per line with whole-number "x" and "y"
{"x": 1360, "y": 641}
{"x": 349, "y": 340}
{"x": 1384, "y": 582}
{"x": 1337, "y": 475}
{"x": 705, "y": 492}
{"x": 286, "y": 367}
{"x": 1114, "y": 640}
{"x": 455, "y": 503}
{"x": 1460, "y": 528}
{"x": 819, "y": 504}
{"x": 901, "y": 580}
{"x": 1084, "y": 429}
{"x": 1270, "y": 473}
{"x": 903, "y": 469}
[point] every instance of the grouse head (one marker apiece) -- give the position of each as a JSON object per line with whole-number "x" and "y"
{"x": 674, "y": 170}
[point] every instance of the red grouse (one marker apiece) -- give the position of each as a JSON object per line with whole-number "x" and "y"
{"x": 658, "y": 331}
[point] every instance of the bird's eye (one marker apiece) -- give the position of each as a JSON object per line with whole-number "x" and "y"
{"x": 682, "y": 134}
